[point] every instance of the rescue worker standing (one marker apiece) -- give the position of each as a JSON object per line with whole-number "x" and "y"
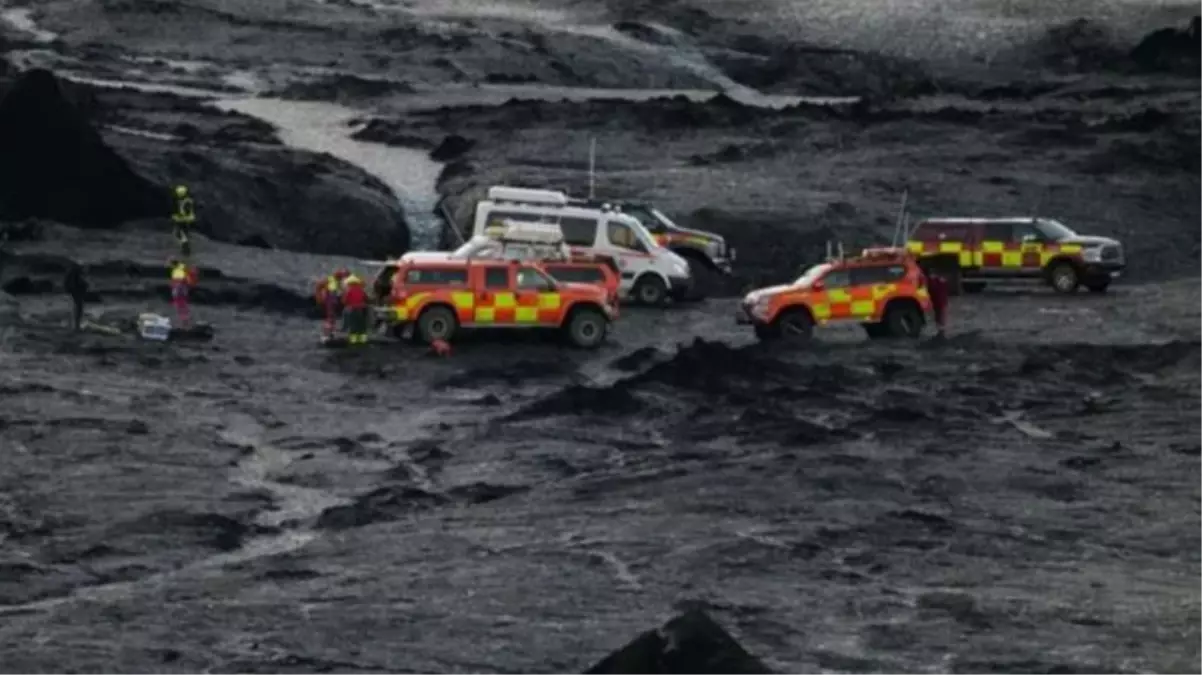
{"x": 183, "y": 279}
{"x": 183, "y": 217}
{"x": 355, "y": 302}
{"x": 937, "y": 287}
{"x": 76, "y": 287}
{"x": 329, "y": 297}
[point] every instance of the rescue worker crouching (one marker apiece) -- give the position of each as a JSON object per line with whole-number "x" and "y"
{"x": 356, "y": 307}
{"x": 329, "y": 297}
{"x": 183, "y": 217}
{"x": 183, "y": 278}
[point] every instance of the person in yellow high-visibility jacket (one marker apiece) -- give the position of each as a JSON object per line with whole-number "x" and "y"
{"x": 183, "y": 217}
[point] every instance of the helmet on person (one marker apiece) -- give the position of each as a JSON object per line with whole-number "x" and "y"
{"x": 342, "y": 273}
{"x": 181, "y": 191}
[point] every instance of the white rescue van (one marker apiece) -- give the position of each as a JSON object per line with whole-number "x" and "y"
{"x": 649, "y": 273}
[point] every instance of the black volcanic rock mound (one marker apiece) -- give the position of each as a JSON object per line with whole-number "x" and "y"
{"x": 1078, "y": 45}
{"x": 1171, "y": 49}
{"x": 690, "y": 643}
{"x": 54, "y": 165}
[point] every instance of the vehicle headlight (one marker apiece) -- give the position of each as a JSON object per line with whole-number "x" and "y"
{"x": 1092, "y": 254}
{"x": 759, "y": 307}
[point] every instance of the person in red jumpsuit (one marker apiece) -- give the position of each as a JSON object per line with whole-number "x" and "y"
{"x": 329, "y": 296}
{"x": 937, "y": 287}
{"x": 183, "y": 278}
{"x": 355, "y": 305}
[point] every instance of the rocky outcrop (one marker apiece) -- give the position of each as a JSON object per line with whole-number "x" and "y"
{"x": 54, "y": 165}
{"x": 690, "y": 643}
{"x": 1171, "y": 49}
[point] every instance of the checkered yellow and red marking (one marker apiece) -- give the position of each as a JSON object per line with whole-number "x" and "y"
{"x": 858, "y": 303}
{"x": 996, "y": 254}
{"x": 496, "y": 309}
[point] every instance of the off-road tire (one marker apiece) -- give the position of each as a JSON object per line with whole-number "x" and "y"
{"x": 586, "y": 328}
{"x": 436, "y": 323}
{"x": 1100, "y": 286}
{"x": 902, "y": 320}
{"x": 795, "y": 326}
{"x": 650, "y": 291}
{"x": 1063, "y": 277}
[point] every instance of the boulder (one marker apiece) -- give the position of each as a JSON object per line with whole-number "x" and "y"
{"x": 689, "y": 643}
{"x": 54, "y": 165}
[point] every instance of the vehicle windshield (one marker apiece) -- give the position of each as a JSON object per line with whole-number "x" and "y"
{"x": 1054, "y": 229}
{"x": 811, "y": 275}
{"x": 659, "y": 215}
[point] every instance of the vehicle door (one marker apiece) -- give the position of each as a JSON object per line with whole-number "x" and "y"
{"x": 538, "y": 298}
{"x": 1001, "y": 253}
{"x": 871, "y": 288}
{"x": 629, "y": 252}
{"x": 495, "y": 300}
{"x": 832, "y": 300}
{"x": 1032, "y": 243}
{"x": 425, "y": 282}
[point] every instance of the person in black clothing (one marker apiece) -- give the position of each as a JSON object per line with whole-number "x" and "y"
{"x": 77, "y": 287}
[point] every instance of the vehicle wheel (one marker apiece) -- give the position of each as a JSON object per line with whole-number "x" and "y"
{"x": 587, "y": 328}
{"x": 1099, "y": 286}
{"x": 903, "y": 321}
{"x": 1063, "y": 277}
{"x": 795, "y": 325}
{"x": 650, "y": 291}
{"x": 436, "y": 323}
{"x": 875, "y": 331}
{"x": 767, "y": 332}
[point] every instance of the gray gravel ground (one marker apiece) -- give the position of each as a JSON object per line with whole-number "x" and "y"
{"x": 1021, "y": 498}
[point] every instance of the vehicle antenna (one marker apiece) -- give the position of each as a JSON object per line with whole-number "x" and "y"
{"x": 592, "y": 166}
{"x": 901, "y": 216}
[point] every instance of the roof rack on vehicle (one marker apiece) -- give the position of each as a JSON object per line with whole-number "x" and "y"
{"x": 884, "y": 252}
{"x": 834, "y": 251}
{"x": 501, "y": 193}
{"x": 523, "y": 232}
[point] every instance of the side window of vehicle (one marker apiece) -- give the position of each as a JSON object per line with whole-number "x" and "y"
{"x": 580, "y": 275}
{"x": 836, "y": 279}
{"x": 942, "y": 232}
{"x": 496, "y": 277}
{"x": 998, "y": 232}
{"x": 878, "y": 274}
{"x": 530, "y": 279}
{"x": 1028, "y": 232}
{"x": 622, "y": 236}
{"x": 579, "y": 231}
{"x": 436, "y": 277}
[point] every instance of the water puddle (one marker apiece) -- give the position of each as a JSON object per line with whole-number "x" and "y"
{"x": 323, "y": 127}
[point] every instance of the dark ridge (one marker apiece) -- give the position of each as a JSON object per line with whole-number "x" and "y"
{"x": 689, "y": 643}
{"x": 54, "y": 165}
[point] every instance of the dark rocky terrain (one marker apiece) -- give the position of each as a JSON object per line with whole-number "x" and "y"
{"x": 1023, "y": 497}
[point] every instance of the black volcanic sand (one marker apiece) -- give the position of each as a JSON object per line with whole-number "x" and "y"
{"x": 1021, "y": 497}
{"x": 987, "y": 504}
{"x": 56, "y": 165}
